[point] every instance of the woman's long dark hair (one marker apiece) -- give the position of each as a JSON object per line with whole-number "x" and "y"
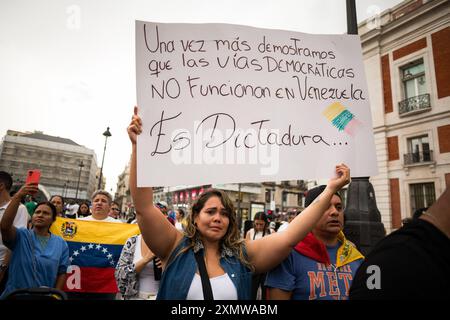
{"x": 79, "y": 213}
{"x": 62, "y": 200}
{"x": 261, "y": 216}
{"x": 232, "y": 238}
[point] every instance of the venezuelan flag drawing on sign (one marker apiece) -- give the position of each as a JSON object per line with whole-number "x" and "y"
{"x": 94, "y": 250}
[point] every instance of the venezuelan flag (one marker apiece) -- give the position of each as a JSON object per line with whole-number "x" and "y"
{"x": 94, "y": 250}
{"x": 341, "y": 118}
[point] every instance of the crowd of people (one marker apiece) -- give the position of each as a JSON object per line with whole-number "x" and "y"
{"x": 201, "y": 254}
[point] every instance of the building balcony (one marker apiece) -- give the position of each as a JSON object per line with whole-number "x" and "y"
{"x": 418, "y": 158}
{"x": 414, "y": 105}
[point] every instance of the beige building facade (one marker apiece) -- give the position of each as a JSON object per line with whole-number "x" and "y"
{"x": 67, "y": 168}
{"x": 406, "y": 53}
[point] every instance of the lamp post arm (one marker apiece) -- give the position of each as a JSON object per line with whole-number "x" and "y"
{"x": 101, "y": 168}
{"x": 81, "y": 165}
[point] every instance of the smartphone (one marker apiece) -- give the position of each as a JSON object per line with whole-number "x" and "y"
{"x": 33, "y": 176}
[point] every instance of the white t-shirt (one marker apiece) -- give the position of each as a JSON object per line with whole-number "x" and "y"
{"x": 258, "y": 235}
{"x": 179, "y": 225}
{"x": 73, "y": 209}
{"x": 147, "y": 282}
{"x": 20, "y": 221}
{"x": 283, "y": 226}
{"x": 222, "y": 288}
{"x": 107, "y": 219}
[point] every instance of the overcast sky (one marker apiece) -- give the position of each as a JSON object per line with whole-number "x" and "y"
{"x": 67, "y": 68}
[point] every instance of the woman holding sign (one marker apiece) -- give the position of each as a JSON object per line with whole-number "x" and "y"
{"x": 210, "y": 260}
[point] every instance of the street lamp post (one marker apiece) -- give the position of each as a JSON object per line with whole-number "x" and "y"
{"x": 66, "y": 184}
{"x": 81, "y": 165}
{"x": 363, "y": 225}
{"x": 107, "y": 134}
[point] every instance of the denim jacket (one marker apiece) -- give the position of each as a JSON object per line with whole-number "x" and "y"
{"x": 180, "y": 271}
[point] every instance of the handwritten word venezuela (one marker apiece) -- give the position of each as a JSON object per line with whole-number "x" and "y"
{"x": 301, "y": 64}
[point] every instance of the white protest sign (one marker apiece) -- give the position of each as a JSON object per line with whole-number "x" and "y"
{"x": 227, "y": 103}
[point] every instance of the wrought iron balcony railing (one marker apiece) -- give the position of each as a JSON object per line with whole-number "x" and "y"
{"x": 417, "y": 103}
{"x": 418, "y": 157}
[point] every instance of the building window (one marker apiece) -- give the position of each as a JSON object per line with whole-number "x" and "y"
{"x": 422, "y": 195}
{"x": 418, "y": 150}
{"x": 414, "y": 86}
{"x": 284, "y": 197}
{"x": 413, "y": 77}
{"x": 300, "y": 202}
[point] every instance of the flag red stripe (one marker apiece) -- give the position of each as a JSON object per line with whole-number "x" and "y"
{"x": 99, "y": 280}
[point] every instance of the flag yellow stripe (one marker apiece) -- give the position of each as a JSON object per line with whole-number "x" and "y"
{"x": 333, "y": 110}
{"x": 94, "y": 231}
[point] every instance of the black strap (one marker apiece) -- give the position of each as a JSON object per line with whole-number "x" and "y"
{"x": 206, "y": 285}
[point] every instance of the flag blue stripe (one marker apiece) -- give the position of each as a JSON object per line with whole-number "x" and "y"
{"x": 93, "y": 254}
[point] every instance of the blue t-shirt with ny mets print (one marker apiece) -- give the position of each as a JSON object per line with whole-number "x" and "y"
{"x": 308, "y": 279}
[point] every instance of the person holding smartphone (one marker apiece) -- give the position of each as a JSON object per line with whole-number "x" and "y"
{"x": 39, "y": 258}
{"x": 20, "y": 221}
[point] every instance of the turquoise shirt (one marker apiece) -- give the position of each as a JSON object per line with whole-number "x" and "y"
{"x": 31, "y": 265}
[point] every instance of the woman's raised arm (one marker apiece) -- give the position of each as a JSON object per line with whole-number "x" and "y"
{"x": 158, "y": 233}
{"x": 268, "y": 252}
{"x": 8, "y": 230}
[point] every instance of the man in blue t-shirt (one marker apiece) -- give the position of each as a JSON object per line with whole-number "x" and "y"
{"x": 322, "y": 265}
